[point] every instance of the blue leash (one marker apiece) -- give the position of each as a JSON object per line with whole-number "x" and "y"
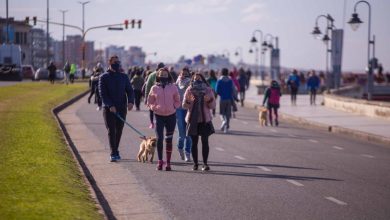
{"x": 142, "y": 135}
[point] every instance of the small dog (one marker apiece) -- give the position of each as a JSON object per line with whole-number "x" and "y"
{"x": 147, "y": 147}
{"x": 263, "y": 116}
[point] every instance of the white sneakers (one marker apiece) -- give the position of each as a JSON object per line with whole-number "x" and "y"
{"x": 181, "y": 153}
{"x": 187, "y": 157}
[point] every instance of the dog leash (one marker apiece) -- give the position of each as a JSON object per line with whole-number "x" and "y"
{"x": 134, "y": 129}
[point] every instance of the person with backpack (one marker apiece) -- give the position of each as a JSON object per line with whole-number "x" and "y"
{"x": 293, "y": 82}
{"x": 272, "y": 97}
{"x": 66, "y": 72}
{"x": 225, "y": 90}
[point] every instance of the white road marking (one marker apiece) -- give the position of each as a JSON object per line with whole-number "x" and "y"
{"x": 264, "y": 168}
{"x": 367, "y": 155}
{"x": 338, "y": 148}
{"x": 273, "y": 130}
{"x": 313, "y": 141}
{"x": 338, "y": 202}
{"x": 293, "y": 136}
{"x": 239, "y": 157}
{"x": 244, "y": 122}
{"x": 295, "y": 182}
{"x": 219, "y": 149}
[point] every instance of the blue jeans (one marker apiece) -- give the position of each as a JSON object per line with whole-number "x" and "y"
{"x": 181, "y": 126}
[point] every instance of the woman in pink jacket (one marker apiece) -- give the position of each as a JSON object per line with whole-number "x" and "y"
{"x": 163, "y": 100}
{"x": 199, "y": 99}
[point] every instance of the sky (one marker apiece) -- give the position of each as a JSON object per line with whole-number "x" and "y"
{"x": 189, "y": 27}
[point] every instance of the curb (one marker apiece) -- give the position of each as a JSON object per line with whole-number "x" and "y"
{"x": 96, "y": 193}
{"x": 330, "y": 128}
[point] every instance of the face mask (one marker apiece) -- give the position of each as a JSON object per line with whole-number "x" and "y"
{"x": 163, "y": 80}
{"x": 115, "y": 67}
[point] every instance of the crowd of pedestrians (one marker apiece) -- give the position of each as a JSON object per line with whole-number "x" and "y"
{"x": 187, "y": 99}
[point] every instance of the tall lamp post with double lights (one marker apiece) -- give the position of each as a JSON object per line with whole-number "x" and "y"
{"x": 326, "y": 39}
{"x": 83, "y": 42}
{"x": 355, "y": 23}
{"x": 254, "y": 41}
{"x": 63, "y": 35}
{"x": 274, "y": 55}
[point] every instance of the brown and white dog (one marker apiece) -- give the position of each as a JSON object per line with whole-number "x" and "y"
{"x": 263, "y": 116}
{"x": 147, "y": 147}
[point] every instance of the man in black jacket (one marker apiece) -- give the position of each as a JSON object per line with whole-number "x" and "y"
{"x": 117, "y": 95}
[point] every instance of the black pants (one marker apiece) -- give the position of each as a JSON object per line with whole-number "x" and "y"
{"x": 294, "y": 91}
{"x": 151, "y": 116}
{"x": 313, "y": 93}
{"x": 114, "y": 127}
{"x": 242, "y": 97}
{"x": 92, "y": 92}
{"x": 137, "y": 97}
{"x": 169, "y": 123}
{"x": 71, "y": 78}
{"x": 205, "y": 148}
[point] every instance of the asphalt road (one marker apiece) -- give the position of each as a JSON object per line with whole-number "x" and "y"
{"x": 283, "y": 172}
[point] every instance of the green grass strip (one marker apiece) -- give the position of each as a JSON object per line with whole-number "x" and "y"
{"x": 39, "y": 179}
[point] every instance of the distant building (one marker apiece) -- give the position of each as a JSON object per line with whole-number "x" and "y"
{"x": 120, "y": 52}
{"x": 38, "y": 48}
{"x": 73, "y": 51}
{"x": 136, "y": 57}
{"x": 19, "y": 33}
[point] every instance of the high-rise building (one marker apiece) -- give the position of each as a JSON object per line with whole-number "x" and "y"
{"x": 136, "y": 56}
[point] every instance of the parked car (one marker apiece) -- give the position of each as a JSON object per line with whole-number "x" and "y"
{"x": 41, "y": 73}
{"x": 28, "y": 72}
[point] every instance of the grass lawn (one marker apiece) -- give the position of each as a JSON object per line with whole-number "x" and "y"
{"x": 39, "y": 178}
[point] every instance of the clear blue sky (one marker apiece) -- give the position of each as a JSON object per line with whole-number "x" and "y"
{"x": 189, "y": 27}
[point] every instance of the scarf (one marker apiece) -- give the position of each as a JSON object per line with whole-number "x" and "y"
{"x": 198, "y": 89}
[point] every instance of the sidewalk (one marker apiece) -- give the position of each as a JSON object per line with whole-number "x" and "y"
{"x": 366, "y": 128}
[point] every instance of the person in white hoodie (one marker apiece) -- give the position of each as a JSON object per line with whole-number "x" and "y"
{"x": 184, "y": 142}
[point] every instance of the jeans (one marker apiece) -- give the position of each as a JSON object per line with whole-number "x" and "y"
{"x": 114, "y": 127}
{"x": 169, "y": 123}
{"x": 181, "y": 126}
{"x": 313, "y": 93}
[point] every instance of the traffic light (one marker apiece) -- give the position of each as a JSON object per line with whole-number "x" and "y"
{"x": 126, "y": 24}
{"x": 139, "y": 24}
{"x": 27, "y": 20}
{"x": 132, "y": 23}
{"x": 35, "y": 20}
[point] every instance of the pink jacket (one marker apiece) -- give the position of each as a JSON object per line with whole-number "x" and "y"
{"x": 187, "y": 104}
{"x": 164, "y": 101}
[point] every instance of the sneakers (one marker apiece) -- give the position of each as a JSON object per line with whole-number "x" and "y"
{"x": 113, "y": 158}
{"x": 187, "y": 157}
{"x": 225, "y": 129}
{"x": 181, "y": 153}
{"x": 205, "y": 168}
{"x": 195, "y": 167}
{"x": 159, "y": 165}
{"x": 151, "y": 126}
{"x": 98, "y": 108}
{"x": 276, "y": 123}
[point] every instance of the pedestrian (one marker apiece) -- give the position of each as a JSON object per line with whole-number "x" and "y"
{"x": 163, "y": 100}
{"x": 243, "y": 82}
{"x": 137, "y": 82}
{"x": 173, "y": 74}
{"x": 184, "y": 142}
{"x": 151, "y": 80}
{"x": 212, "y": 81}
{"x": 224, "y": 89}
{"x": 236, "y": 89}
{"x": 66, "y": 72}
{"x": 272, "y": 97}
{"x": 293, "y": 82}
{"x": 199, "y": 99}
{"x": 52, "y": 72}
{"x": 249, "y": 76}
{"x": 94, "y": 79}
{"x": 72, "y": 72}
{"x": 117, "y": 95}
{"x": 313, "y": 83}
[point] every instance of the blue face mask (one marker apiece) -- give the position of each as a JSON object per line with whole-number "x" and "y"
{"x": 115, "y": 67}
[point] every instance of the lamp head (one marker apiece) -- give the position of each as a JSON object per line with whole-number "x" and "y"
{"x": 325, "y": 39}
{"x": 316, "y": 32}
{"x": 250, "y": 50}
{"x": 355, "y": 21}
{"x": 253, "y": 40}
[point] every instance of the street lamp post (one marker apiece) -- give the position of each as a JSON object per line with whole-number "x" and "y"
{"x": 355, "y": 23}
{"x": 63, "y": 35}
{"x": 326, "y": 39}
{"x": 261, "y": 65}
{"x": 239, "y": 53}
{"x": 83, "y": 40}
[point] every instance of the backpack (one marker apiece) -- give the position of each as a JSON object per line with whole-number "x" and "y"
{"x": 274, "y": 96}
